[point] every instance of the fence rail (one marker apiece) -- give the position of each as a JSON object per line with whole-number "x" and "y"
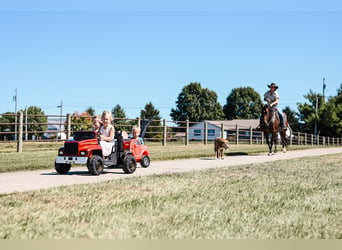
{"x": 60, "y": 128}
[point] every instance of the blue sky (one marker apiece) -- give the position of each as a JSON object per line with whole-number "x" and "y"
{"x": 103, "y": 53}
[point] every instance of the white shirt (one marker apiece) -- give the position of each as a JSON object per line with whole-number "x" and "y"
{"x": 271, "y": 96}
{"x": 105, "y": 132}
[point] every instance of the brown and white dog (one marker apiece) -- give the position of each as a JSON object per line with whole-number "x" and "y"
{"x": 220, "y": 145}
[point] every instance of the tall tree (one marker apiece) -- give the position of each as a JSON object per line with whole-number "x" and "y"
{"x": 309, "y": 112}
{"x": 197, "y": 104}
{"x": 330, "y": 116}
{"x": 119, "y": 115}
{"x": 7, "y": 125}
{"x": 151, "y": 113}
{"x": 118, "y": 112}
{"x": 243, "y": 103}
{"x": 90, "y": 111}
{"x": 36, "y": 120}
{"x": 292, "y": 118}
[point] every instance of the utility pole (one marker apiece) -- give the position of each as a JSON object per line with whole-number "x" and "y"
{"x": 15, "y": 99}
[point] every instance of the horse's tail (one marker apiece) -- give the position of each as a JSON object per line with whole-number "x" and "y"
{"x": 288, "y": 134}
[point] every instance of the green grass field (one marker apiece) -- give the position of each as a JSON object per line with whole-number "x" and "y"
{"x": 293, "y": 199}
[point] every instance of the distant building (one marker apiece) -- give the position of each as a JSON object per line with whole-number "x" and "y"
{"x": 55, "y": 128}
{"x": 197, "y": 131}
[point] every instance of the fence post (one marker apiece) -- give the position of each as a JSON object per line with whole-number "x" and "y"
{"x": 312, "y": 139}
{"x": 222, "y": 132}
{"x": 68, "y": 126}
{"x": 250, "y": 135}
{"x": 164, "y": 132}
{"x": 305, "y": 138}
{"x": 20, "y": 136}
{"x": 237, "y": 134}
{"x": 205, "y": 133}
{"x": 187, "y": 133}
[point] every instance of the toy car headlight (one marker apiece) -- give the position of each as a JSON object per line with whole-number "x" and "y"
{"x": 83, "y": 153}
{"x": 61, "y": 152}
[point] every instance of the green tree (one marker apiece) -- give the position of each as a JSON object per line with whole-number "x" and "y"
{"x": 90, "y": 111}
{"x": 36, "y": 120}
{"x": 119, "y": 116}
{"x": 151, "y": 113}
{"x": 7, "y": 125}
{"x": 330, "y": 116}
{"x": 197, "y": 104}
{"x": 292, "y": 118}
{"x": 80, "y": 121}
{"x": 118, "y": 112}
{"x": 243, "y": 103}
{"x": 307, "y": 111}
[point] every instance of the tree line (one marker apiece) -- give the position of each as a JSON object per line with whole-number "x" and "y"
{"x": 197, "y": 104}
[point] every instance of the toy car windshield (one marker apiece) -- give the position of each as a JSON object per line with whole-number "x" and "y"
{"x": 81, "y": 136}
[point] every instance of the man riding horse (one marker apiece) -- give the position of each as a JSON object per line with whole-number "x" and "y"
{"x": 272, "y": 99}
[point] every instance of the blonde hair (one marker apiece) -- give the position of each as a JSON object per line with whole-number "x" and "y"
{"x": 104, "y": 113}
{"x": 136, "y": 129}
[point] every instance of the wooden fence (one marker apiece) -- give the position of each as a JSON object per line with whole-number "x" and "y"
{"x": 60, "y": 128}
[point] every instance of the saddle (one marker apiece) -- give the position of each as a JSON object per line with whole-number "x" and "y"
{"x": 275, "y": 115}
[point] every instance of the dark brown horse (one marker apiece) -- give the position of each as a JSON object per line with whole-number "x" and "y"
{"x": 270, "y": 125}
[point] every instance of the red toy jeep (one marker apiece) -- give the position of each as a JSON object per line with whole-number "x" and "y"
{"x": 84, "y": 148}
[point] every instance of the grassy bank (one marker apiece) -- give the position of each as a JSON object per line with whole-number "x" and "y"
{"x": 299, "y": 198}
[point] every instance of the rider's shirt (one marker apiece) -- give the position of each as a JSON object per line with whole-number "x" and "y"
{"x": 271, "y": 96}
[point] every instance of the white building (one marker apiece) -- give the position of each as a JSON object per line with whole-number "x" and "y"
{"x": 56, "y": 128}
{"x": 214, "y": 128}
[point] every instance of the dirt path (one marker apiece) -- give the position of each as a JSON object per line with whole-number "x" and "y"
{"x": 41, "y": 179}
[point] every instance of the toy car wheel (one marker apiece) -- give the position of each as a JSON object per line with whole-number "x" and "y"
{"x": 62, "y": 168}
{"x": 145, "y": 161}
{"x": 95, "y": 165}
{"x": 129, "y": 164}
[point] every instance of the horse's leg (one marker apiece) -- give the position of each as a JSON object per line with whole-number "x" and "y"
{"x": 283, "y": 140}
{"x": 275, "y": 141}
{"x": 269, "y": 144}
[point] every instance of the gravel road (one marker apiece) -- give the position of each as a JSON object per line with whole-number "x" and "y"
{"x": 48, "y": 178}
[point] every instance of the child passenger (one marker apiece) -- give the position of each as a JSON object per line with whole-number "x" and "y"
{"x": 106, "y": 133}
{"x": 136, "y": 132}
{"x": 96, "y": 123}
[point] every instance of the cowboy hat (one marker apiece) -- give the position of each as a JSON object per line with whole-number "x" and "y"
{"x": 273, "y": 85}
